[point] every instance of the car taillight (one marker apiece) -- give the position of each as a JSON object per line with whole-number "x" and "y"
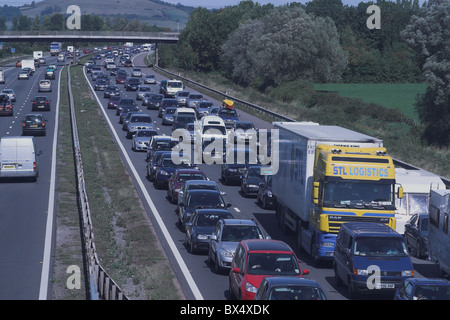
{"x": 43, "y": 123}
{"x": 34, "y": 166}
{"x": 23, "y": 124}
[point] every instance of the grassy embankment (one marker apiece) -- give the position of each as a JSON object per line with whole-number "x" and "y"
{"x": 386, "y": 112}
{"x": 125, "y": 240}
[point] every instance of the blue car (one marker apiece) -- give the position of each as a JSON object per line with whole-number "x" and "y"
{"x": 423, "y": 289}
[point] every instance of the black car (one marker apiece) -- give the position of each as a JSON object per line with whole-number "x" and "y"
{"x": 125, "y": 111}
{"x": 416, "y": 235}
{"x": 165, "y": 103}
{"x": 152, "y": 163}
{"x": 251, "y": 180}
{"x": 110, "y": 91}
{"x": 34, "y": 124}
{"x": 40, "y": 103}
{"x": 124, "y": 103}
{"x": 152, "y": 101}
{"x": 236, "y": 163}
{"x": 264, "y": 196}
{"x": 100, "y": 84}
{"x": 132, "y": 84}
{"x": 201, "y": 225}
{"x": 199, "y": 199}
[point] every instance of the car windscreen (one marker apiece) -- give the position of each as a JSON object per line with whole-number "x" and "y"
{"x": 380, "y": 247}
{"x": 210, "y": 219}
{"x": 206, "y": 200}
{"x": 236, "y": 233}
{"x": 272, "y": 264}
{"x": 141, "y": 119}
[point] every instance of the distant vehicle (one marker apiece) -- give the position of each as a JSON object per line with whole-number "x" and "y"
{"x": 179, "y": 178}
{"x": 141, "y": 139}
{"x": 193, "y": 99}
{"x": 100, "y": 85}
{"x": 113, "y": 102}
{"x": 423, "y": 289}
{"x": 264, "y": 196}
{"x": 165, "y": 168}
{"x": 195, "y": 199}
{"x": 250, "y": 180}
{"x": 139, "y": 122}
{"x": 201, "y": 225}
{"x": 225, "y": 239}
{"x": 55, "y": 48}
{"x": 40, "y": 103}
{"x": 150, "y": 79}
{"x": 165, "y": 103}
{"x": 23, "y": 75}
{"x": 160, "y": 143}
{"x": 124, "y": 103}
{"x": 132, "y": 84}
{"x": 15, "y": 164}
{"x": 289, "y": 288}
{"x": 167, "y": 118}
{"x": 136, "y": 72}
{"x": 34, "y": 124}
{"x": 181, "y": 97}
{"x": 201, "y": 184}
{"x": 141, "y": 91}
{"x": 202, "y": 108}
{"x": 416, "y": 235}
{"x": 152, "y": 101}
{"x": 229, "y": 116}
{"x": 172, "y": 87}
{"x": 6, "y": 106}
{"x": 237, "y": 161}
{"x": 45, "y": 85}
{"x": 153, "y": 162}
{"x": 258, "y": 258}
{"x": 244, "y": 131}
{"x": 111, "y": 90}
{"x": 11, "y": 94}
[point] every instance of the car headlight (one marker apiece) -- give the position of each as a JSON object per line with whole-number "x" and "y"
{"x": 252, "y": 186}
{"x": 407, "y": 273}
{"x": 202, "y": 237}
{"x": 269, "y": 194}
{"x": 360, "y": 272}
{"x": 164, "y": 172}
{"x": 225, "y": 253}
{"x": 232, "y": 170}
{"x": 250, "y": 288}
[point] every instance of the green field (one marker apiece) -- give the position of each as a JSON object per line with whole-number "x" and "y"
{"x": 390, "y": 95}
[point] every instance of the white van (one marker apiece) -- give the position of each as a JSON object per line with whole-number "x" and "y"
{"x": 182, "y": 117}
{"x": 18, "y": 158}
{"x": 212, "y": 129}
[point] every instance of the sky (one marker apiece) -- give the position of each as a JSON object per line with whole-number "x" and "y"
{"x": 210, "y": 4}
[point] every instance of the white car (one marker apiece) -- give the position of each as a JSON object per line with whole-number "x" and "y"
{"x": 45, "y": 85}
{"x": 23, "y": 75}
{"x": 136, "y": 72}
{"x": 10, "y": 93}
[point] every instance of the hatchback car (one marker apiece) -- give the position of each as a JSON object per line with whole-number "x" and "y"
{"x": 179, "y": 178}
{"x": 416, "y": 235}
{"x": 201, "y": 225}
{"x": 40, "y": 103}
{"x": 11, "y": 94}
{"x": 225, "y": 239}
{"x": 113, "y": 102}
{"x": 34, "y": 124}
{"x": 258, "y": 258}
{"x": 45, "y": 86}
{"x": 423, "y": 289}
{"x": 289, "y": 288}
{"x": 196, "y": 199}
{"x": 6, "y": 106}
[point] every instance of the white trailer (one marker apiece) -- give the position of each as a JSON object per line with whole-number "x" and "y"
{"x": 28, "y": 63}
{"x": 438, "y": 230}
{"x": 416, "y": 184}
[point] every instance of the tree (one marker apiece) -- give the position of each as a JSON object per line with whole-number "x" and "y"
{"x": 429, "y": 35}
{"x": 287, "y": 44}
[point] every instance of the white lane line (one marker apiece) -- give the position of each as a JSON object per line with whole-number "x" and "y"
{"x": 45, "y": 274}
{"x": 237, "y": 209}
{"x": 168, "y": 237}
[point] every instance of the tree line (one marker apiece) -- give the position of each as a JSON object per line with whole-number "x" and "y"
{"x": 265, "y": 47}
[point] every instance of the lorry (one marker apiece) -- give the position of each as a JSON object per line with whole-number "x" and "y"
{"x": 55, "y": 48}
{"x": 38, "y": 54}
{"x": 438, "y": 230}
{"x": 28, "y": 63}
{"x": 416, "y": 184}
{"x": 329, "y": 175}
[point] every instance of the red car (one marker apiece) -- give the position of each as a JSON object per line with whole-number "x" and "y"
{"x": 177, "y": 180}
{"x": 256, "y": 259}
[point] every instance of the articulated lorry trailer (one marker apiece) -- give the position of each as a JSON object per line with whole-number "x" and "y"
{"x": 329, "y": 175}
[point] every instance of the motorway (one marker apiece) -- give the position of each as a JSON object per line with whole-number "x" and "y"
{"x": 208, "y": 285}
{"x": 25, "y": 210}
{"x": 25, "y": 205}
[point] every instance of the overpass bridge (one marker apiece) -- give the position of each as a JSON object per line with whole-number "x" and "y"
{"x": 88, "y": 36}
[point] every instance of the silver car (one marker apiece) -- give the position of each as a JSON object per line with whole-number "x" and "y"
{"x": 193, "y": 99}
{"x": 167, "y": 117}
{"x": 141, "y": 91}
{"x": 181, "y": 97}
{"x": 150, "y": 79}
{"x": 141, "y": 139}
{"x": 225, "y": 239}
{"x": 139, "y": 122}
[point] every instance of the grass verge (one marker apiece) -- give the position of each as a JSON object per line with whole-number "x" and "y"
{"x": 125, "y": 240}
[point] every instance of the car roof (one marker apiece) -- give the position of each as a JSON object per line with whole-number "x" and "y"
{"x": 291, "y": 280}
{"x": 431, "y": 281}
{"x": 230, "y": 222}
{"x": 370, "y": 229}
{"x": 265, "y": 245}
{"x": 209, "y": 210}
{"x": 211, "y": 182}
{"x": 186, "y": 170}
